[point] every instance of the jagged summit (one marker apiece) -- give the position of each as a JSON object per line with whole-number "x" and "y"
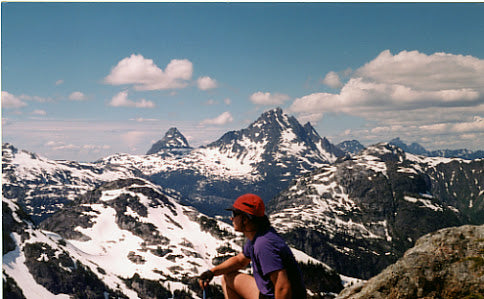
{"x": 261, "y": 158}
{"x": 172, "y": 141}
{"x": 351, "y": 146}
{"x": 413, "y": 148}
{"x": 277, "y": 135}
{"x": 323, "y": 144}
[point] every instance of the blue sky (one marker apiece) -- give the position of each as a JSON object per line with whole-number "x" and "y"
{"x": 81, "y": 81}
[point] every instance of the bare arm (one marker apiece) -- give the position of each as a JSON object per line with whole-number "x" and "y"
{"x": 232, "y": 264}
{"x": 282, "y": 285}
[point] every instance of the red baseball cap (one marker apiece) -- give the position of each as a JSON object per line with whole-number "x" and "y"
{"x": 250, "y": 204}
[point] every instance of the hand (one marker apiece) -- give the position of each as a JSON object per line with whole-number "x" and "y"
{"x": 205, "y": 278}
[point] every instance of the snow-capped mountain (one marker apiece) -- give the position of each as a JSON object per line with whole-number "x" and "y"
{"x": 360, "y": 214}
{"x": 173, "y": 142}
{"x": 413, "y": 148}
{"x": 330, "y": 151}
{"x": 354, "y": 146}
{"x": 417, "y": 149}
{"x": 38, "y": 264}
{"x": 132, "y": 226}
{"x": 127, "y": 238}
{"x": 350, "y": 146}
{"x": 43, "y": 186}
{"x": 262, "y": 158}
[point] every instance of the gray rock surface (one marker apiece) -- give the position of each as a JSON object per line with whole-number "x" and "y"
{"x": 448, "y": 263}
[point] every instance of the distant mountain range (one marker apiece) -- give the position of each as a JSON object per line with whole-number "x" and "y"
{"x": 354, "y": 147}
{"x": 353, "y": 208}
{"x": 417, "y": 149}
{"x": 43, "y": 186}
{"x": 262, "y": 158}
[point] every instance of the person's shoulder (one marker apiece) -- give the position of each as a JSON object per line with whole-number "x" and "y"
{"x": 272, "y": 234}
{"x": 269, "y": 238}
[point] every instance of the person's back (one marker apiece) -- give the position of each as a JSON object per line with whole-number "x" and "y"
{"x": 268, "y": 253}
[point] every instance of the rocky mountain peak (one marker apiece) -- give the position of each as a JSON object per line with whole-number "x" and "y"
{"x": 323, "y": 144}
{"x": 8, "y": 146}
{"x": 351, "y": 146}
{"x": 385, "y": 152}
{"x": 413, "y": 148}
{"x": 275, "y": 135}
{"x": 172, "y": 141}
{"x": 274, "y": 120}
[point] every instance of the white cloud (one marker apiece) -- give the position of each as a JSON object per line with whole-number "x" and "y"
{"x": 39, "y": 112}
{"x": 439, "y": 71}
{"x": 206, "y": 83}
{"x": 62, "y": 146}
{"x": 11, "y": 101}
{"x": 211, "y": 102}
{"x": 222, "y": 119}
{"x": 59, "y": 82}
{"x": 95, "y": 147}
{"x": 227, "y": 101}
{"x": 410, "y": 94}
{"x": 52, "y": 143}
{"x": 141, "y": 120}
{"x": 77, "y": 96}
{"x": 309, "y": 117}
{"x": 407, "y": 81}
{"x": 144, "y": 74}
{"x": 121, "y": 100}
{"x": 332, "y": 80}
{"x": 133, "y": 139}
{"x": 35, "y": 98}
{"x": 476, "y": 125}
{"x": 266, "y": 98}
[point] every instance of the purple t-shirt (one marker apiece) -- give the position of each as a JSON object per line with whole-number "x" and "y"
{"x": 268, "y": 252}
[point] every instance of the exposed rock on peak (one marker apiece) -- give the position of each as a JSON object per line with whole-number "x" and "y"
{"x": 173, "y": 141}
{"x": 385, "y": 152}
{"x": 323, "y": 144}
{"x": 351, "y": 146}
{"x": 42, "y": 186}
{"x": 361, "y": 213}
{"x": 414, "y": 148}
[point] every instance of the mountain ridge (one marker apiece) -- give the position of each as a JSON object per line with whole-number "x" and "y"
{"x": 361, "y": 213}
{"x": 125, "y": 239}
{"x": 418, "y": 149}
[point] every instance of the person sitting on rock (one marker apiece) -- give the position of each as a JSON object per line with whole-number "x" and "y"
{"x": 276, "y": 272}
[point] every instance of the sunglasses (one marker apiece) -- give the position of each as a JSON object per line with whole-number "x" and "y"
{"x": 236, "y": 213}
